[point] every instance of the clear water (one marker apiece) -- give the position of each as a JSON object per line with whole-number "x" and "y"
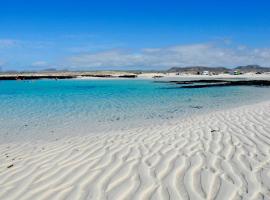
{"x": 50, "y": 109}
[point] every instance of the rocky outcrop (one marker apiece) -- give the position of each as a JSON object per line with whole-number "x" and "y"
{"x": 219, "y": 83}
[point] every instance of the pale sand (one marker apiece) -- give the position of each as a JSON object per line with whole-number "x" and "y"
{"x": 265, "y": 76}
{"x": 221, "y": 155}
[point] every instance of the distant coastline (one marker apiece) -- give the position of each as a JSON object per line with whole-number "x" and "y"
{"x": 249, "y": 71}
{"x": 174, "y": 71}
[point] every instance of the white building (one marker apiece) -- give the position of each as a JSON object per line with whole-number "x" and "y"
{"x": 205, "y": 73}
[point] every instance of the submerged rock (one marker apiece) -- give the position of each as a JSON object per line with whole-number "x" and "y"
{"x": 197, "y": 107}
{"x": 219, "y": 83}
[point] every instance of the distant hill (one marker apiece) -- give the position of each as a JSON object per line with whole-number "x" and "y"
{"x": 252, "y": 68}
{"x": 218, "y": 70}
{"x": 49, "y": 70}
{"x": 198, "y": 69}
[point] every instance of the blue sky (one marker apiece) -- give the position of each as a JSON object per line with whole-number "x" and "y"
{"x": 133, "y": 34}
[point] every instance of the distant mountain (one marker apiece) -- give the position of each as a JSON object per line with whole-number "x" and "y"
{"x": 218, "y": 70}
{"x": 49, "y": 70}
{"x": 252, "y": 68}
{"x": 198, "y": 69}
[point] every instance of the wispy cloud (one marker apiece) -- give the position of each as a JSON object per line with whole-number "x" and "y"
{"x": 93, "y": 47}
{"x": 103, "y": 56}
{"x": 18, "y": 44}
{"x": 80, "y": 36}
{"x": 179, "y": 55}
{"x": 7, "y": 43}
{"x": 41, "y": 64}
{"x": 2, "y": 63}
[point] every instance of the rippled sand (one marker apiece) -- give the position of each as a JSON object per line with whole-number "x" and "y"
{"x": 221, "y": 155}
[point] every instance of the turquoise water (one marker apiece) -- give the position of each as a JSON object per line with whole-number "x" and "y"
{"x": 48, "y": 107}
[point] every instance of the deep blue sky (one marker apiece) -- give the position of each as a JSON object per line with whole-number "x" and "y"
{"x": 66, "y": 33}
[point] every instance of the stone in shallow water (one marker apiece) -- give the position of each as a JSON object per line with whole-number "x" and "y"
{"x": 197, "y": 107}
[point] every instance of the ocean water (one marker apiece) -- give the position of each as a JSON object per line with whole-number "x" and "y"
{"x": 51, "y": 109}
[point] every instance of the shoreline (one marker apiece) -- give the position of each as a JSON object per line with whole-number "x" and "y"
{"x": 204, "y": 156}
{"x": 124, "y": 75}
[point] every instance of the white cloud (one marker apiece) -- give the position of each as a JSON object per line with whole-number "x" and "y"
{"x": 204, "y": 54}
{"x": 180, "y": 55}
{"x": 40, "y": 64}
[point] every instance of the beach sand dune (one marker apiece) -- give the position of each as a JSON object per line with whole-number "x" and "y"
{"x": 221, "y": 155}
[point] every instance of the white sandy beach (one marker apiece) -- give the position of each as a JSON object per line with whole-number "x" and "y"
{"x": 221, "y": 155}
{"x": 265, "y": 76}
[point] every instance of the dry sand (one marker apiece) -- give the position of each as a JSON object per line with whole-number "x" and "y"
{"x": 221, "y": 155}
{"x": 265, "y": 76}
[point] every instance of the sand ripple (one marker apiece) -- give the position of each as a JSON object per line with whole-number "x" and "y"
{"x": 222, "y": 155}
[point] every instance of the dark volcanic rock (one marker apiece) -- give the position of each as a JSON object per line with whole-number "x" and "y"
{"x": 128, "y": 76}
{"x": 223, "y": 83}
{"x": 197, "y": 107}
{"x": 98, "y": 75}
{"x": 10, "y": 166}
{"x": 22, "y": 77}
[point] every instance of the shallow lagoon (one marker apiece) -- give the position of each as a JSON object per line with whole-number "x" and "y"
{"x": 50, "y": 108}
